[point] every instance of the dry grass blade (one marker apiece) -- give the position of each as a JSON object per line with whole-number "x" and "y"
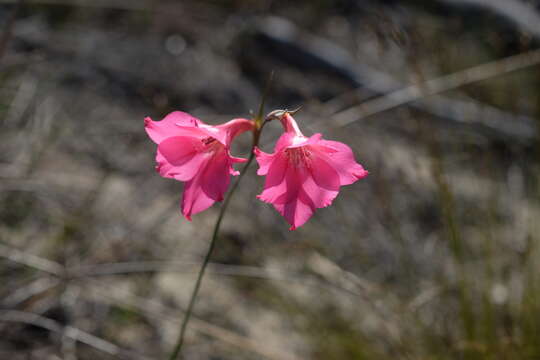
{"x": 522, "y": 13}
{"x": 114, "y": 4}
{"x": 24, "y": 293}
{"x": 143, "y": 305}
{"x": 30, "y": 260}
{"x": 8, "y": 29}
{"x": 69, "y": 331}
{"x": 134, "y": 267}
{"x": 173, "y": 266}
{"x": 155, "y": 309}
{"x": 436, "y": 86}
{"x": 284, "y": 32}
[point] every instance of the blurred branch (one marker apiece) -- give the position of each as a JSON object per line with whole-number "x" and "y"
{"x": 109, "y": 4}
{"x": 57, "y": 269}
{"x": 176, "y": 266}
{"x": 8, "y": 30}
{"x": 366, "y": 290}
{"x": 134, "y": 267}
{"x": 68, "y": 300}
{"x": 68, "y": 331}
{"x": 520, "y": 12}
{"x": 30, "y": 260}
{"x": 308, "y": 51}
{"x": 26, "y": 292}
{"x": 340, "y": 280}
{"x": 424, "y": 297}
{"x": 155, "y": 309}
{"x": 442, "y": 84}
{"x": 353, "y": 285}
{"x": 139, "y": 303}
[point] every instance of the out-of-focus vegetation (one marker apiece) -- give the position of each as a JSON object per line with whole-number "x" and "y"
{"x": 434, "y": 256}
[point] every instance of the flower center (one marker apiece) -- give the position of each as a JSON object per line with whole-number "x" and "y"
{"x": 299, "y": 157}
{"x": 208, "y": 140}
{"x": 210, "y": 144}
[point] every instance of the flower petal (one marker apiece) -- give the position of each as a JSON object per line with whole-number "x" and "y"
{"x": 320, "y": 196}
{"x": 160, "y": 130}
{"x": 276, "y": 183}
{"x": 299, "y": 142}
{"x": 290, "y": 125}
{"x": 297, "y": 211}
{"x": 235, "y": 159}
{"x": 341, "y": 158}
{"x": 233, "y": 128}
{"x": 323, "y": 173}
{"x": 284, "y": 141}
{"x": 180, "y": 157}
{"x": 216, "y": 177}
{"x": 194, "y": 199}
{"x": 304, "y": 173}
{"x": 264, "y": 160}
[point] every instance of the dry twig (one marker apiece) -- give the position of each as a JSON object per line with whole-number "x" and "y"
{"x": 440, "y": 85}
{"x": 8, "y": 30}
{"x": 520, "y": 12}
{"x": 334, "y": 59}
{"x": 109, "y": 4}
{"x": 163, "y": 313}
{"x": 68, "y": 331}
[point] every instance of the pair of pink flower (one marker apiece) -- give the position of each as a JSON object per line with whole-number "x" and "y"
{"x": 302, "y": 174}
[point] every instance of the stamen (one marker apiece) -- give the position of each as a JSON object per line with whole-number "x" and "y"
{"x": 208, "y": 140}
{"x": 300, "y": 156}
{"x": 211, "y": 145}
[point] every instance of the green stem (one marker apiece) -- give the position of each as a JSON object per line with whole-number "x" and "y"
{"x": 259, "y": 123}
{"x": 189, "y": 310}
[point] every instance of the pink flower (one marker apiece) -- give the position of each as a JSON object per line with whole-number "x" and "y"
{"x": 304, "y": 174}
{"x": 199, "y": 154}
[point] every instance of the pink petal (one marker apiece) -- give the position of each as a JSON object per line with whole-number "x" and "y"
{"x": 290, "y": 199}
{"x": 304, "y": 194}
{"x": 290, "y": 125}
{"x": 160, "y": 130}
{"x": 195, "y": 199}
{"x": 264, "y": 160}
{"x": 216, "y": 177}
{"x": 225, "y": 133}
{"x": 320, "y": 196}
{"x": 304, "y": 173}
{"x": 297, "y": 212}
{"x": 164, "y": 168}
{"x": 208, "y": 186}
{"x": 341, "y": 158}
{"x": 296, "y": 192}
{"x": 235, "y": 159}
{"x": 276, "y": 183}
{"x": 284, "y": 141}
{"x": 180, "y": 157}
{"x": 233, "y": 128}
{"x": 304, "y": 141}
{"x": 323, "y": 173}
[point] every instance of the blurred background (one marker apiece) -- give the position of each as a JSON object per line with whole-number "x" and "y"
{"x": 435, "y": 255}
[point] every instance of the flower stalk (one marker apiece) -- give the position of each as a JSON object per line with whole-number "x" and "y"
{"x": 189, "y": 310}
{"x": 259, "y": 122}
{"x": 302, "y": 174}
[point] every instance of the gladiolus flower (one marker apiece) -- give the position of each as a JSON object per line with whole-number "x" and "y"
{"x": 303, "y": 173}
{"x": 197, "y": 154}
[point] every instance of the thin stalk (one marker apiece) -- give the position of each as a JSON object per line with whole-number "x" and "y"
{"x": 189, "y": 310}
{"x": 259, "y": 123}
{"x": 8, "y": 29}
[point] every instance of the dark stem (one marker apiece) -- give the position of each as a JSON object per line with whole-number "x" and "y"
{"x": 189, "y": 310}
{"x": 259, "y": 123}
{"x": 8, "y": 29}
